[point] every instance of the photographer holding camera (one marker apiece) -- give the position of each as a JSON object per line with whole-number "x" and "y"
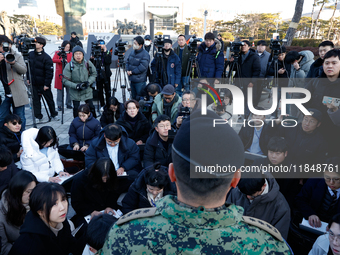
{"x": 103, "y": 71}
{"x": 41, "y": 73}
{"x": 78, "y": 75}
{"x": 12, "y": 67}
{"x": 148, "y": 95}
{"x": 137, "y": 66}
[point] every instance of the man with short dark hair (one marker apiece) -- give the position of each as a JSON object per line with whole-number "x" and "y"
{"x": 210, "y": 57}
{"x": 75, "y": 40}
{"x": 166, "y": 103}
{"x": 197, "y": 220}
{"x": 158, "y": 146}
{"x": 183, "y": 53}
{"x": 316, "y": 68}
{"x": 137, "y": 66}
{"x": 7, "y": 167}
{"x": 219, "y": 37}
{"x": 113, "y": 142}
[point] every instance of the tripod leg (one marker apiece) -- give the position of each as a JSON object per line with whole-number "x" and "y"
{"x": 44, "y": 102}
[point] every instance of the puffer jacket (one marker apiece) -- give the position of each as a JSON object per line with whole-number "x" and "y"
{"x": 138, "y": 63}
{"x": 297, "y": 77}
{"x": 41, "y": 67}
{"x": 83, "y": 132}
{"x": 80, "y": 73}
{"x": 33, "y": 160}
{"x": 211, "y": 61}
{"x": 157, "y": 107}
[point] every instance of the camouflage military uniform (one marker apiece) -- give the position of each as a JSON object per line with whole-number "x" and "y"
{"x": 176, "y": 228}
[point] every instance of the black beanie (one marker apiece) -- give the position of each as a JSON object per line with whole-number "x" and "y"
{"x": 139, "y": 40}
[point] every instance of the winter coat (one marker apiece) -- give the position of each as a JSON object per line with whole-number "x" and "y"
{"x": 84, "y": 71}
{"x": 7, "y": 175}
{"x": 75, "y": 41}
{"x": 151, "y": 52}
{"x": 108, "y": 116}
{"x": 138, "y": 63}
{"x": 85, "y": 198}
{"x": 303, "y": 147}
{"x": 11, "y": 140}
{"x": 128, "y": 152}
{"x": 138, "y": 132}
{"x": 321, "y": 246}
{"x": 33, "y": 160}
{"x": 18, "y": 88}
{"x": 185, "y": 58}
{"x": 137, "y": 195}
{"x": 83, "y": 133}
{"x": 59, "y": 68}
{"x": 173, "y": 70}
{"x": 157, "y": 107}
{"x": 41, "y": 67}
{"x": 264, "y": 57}
{"x": 297, "y": 77}
{"x": 250, "y": 68}
{"x": 8, "y": 232}
{"x": 316, "y": 69}
{"x": 310, "y": 198}
{"x": 211, "y": 61}
{"x": 283, "y": 78}
{"x": 154, "y": 151}
{"x": 106, "y": 58}
{"x": 247, "y": 133}
{"x": 271, "y": 207}
{"x": 36, "y": 238}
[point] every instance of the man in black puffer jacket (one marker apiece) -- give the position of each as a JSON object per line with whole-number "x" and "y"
{"x": 316, "y": 68}
{"x": 41, "y": 75}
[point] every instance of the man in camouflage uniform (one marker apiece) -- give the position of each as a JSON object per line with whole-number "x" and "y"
{"x": 197, "y": 221}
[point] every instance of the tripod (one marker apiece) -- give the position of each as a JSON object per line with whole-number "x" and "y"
{"x": 124, "y": 82}
{"x": 160, "y": 69}
{"x": 64, "y": 62}
{"x": 192, "y": 64}
{"x": 98, "y": 61}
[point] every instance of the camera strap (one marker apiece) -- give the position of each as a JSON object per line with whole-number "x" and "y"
{"x": 86, "y": 64}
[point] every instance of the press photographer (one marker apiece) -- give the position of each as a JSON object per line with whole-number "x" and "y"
{"x": 12, "y": 68}
{"x": 148, "y": 95}
{"x": 183, "y": 53}
{"x": 102, "y": 58}
{"x": 137, "y": 66}
{"x": 189, "y": 103}
{"x": 166, "y": 66}
{"x": 65, "y": 52}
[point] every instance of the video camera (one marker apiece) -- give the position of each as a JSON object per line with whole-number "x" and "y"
{"x": 8, "y": 56}
{"x": 193, "y": 44}
{"x": 146, "y": 105}
{"x": 185, "y": 112}
{"x": 62, "y": 53}
{"x": 24, "y": 44}
{"x": 275, "y": 45}
{"x": 235, "y": 48}
{"x": 221, "y": 107}
{"x": 159, "y": 42}
{"x": 120, "y": 48}
{"x": 96, "y": 49}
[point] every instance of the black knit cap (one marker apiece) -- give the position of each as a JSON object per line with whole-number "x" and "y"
{"x": 139, "y": 40}
{"x": 202, "y": 144}
{"x": 315, "y": 114}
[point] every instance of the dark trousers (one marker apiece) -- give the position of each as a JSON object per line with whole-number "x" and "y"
{"x": 39, "y": 91}
{"x": 89, "y": 102}
{"x": 106, "y": 86}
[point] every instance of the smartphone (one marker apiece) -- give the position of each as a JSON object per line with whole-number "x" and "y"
{"x": 329, "y": 100}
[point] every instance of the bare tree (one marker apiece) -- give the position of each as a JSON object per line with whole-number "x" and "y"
{"x": 322, "y": 2}
{"x": 295, "y": 21}
{"x": 312, "y": 16}
{"x": 332, "y": 18}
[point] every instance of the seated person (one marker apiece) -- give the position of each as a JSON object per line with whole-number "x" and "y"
{"x": 166, "y": 103}
{"x": 96, "y": 233}
{"x": 13, "y": 208}
{"x": 40, "y": 154}
{"x": 306, "y": 144}
{"x": 255, "y": 139}
{"x": 113, "y": 142}
{"x": 10, "y": 135}
{"x": 328, "y": 243}
{"x": 134, "y": 122}
{"x": 95, "y": 189}
{"x": 189, "y": 104}
{"x": 318, "y": 199}
{"x": 7, "y": 167}
{"x": 158, "y": 147}
{"x": 111, "y": 112}
{"x": 260, "y": 196}
{"x": 83, "y": 130}
{"x": 152, "y": 184}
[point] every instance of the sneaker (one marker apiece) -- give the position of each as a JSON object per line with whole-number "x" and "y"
{"x": 38, "y": 120}
{"x": 69, "y": 107}
{"x": 55, "y": 118}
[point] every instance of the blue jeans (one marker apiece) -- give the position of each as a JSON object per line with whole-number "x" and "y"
{"x": 5, "y": 110}
{"x": 183, "y": 84}
{"x": 136, "y": 88}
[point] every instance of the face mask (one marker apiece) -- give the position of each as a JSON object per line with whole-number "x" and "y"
{"x": 147, "y": 43}
{"x": 135, "y": 47}
{"x": 166, "y": 50}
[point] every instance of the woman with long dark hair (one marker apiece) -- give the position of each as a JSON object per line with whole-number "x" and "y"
{"x": 13, "y": 208}
{"x": 46, "y": 229}
{"x": 112, "y": 112}
{"x": 40, "y": 154}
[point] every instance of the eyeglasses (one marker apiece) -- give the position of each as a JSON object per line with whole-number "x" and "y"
{"x": 333, "y": 237}
{"x": 16, "y": 123}
{"x": 112, "y": 142}
{"x": 164, "y": 126}
{"x": 188, "y": 100}
{"x": 168, "y": 98}
{"x": 328, "y": 179}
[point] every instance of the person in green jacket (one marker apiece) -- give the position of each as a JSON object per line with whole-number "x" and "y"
{"x": 78, "y": 75}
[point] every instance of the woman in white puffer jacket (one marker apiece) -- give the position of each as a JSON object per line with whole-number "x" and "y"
{"x": 40, "y": 154}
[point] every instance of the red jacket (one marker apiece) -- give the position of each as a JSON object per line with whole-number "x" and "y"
{"x": 59, "y": 68}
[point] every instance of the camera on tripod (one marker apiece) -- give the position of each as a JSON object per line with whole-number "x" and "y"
{"x": 120, "y": 48}
{"x": 96, "y": 49}
{"x": 159, "y": 42}
{"x": 235, "y": 48}
{"x": 24, "y": 44}
{"x": 62, "y": 53}
{"x": 275, "y": 45}
{"x": 8, "y": 56}
{"x": 193, "y": 44}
